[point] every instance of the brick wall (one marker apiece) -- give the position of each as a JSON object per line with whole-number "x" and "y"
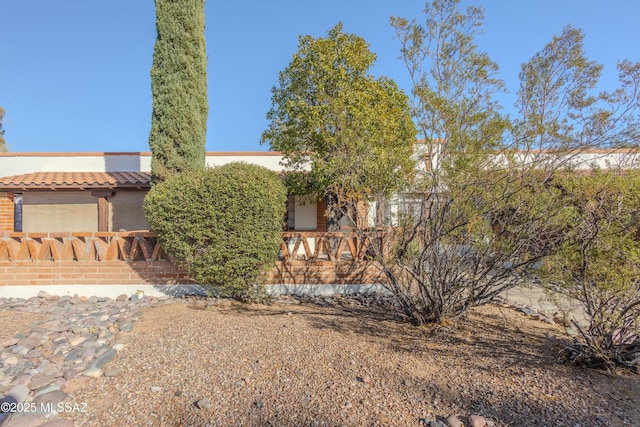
{"x": 130, "y": 258}
{"x": 164, "y": 272}
{"x": 6, "y": 212}
{"x": 90, "y": 273}
{"x": 325, "y": 272}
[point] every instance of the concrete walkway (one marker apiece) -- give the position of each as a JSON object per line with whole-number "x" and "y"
{"x": 539, "y": 299}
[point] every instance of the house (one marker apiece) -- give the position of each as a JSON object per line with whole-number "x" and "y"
{"x": 71, "y": 221}
{"x": 104, "y": 191}
{"x": 64, "y": 192}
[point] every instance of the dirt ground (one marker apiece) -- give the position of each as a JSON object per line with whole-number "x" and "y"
{"x": 307, "y": 365}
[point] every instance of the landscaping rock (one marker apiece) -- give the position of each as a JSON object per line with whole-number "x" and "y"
{"x": 453, "y": 421}
{"x": 477, "y": 421}
{"x": 203, "y": 404}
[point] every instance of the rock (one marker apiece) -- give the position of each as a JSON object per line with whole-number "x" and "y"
{"x": 27, "y": 419}
{"x": 77, "y": 340}
{"x": 30, "y": 342}
{"x": 126, "y": 327}
{"x": 93, "y": 372}
{"x": 10, "y": 361}
{"x": 112, "y": 372}
{"x": 51, "y": 393}
{"x": 89, "y": 353}
{"x": 24, "y": 379}
{"x": 9, "y": 342}
{"x": 203, "y": 404}
{"x": 526, "y": 310}
{"x": 155, "y": 389}
{"x": 73, "y": 356}
{"x": 453, "y": 421}
{"x": 104, "y": 359}
{"x": 40, "y": 381}
{"x": 59, "y": 423}
{"x": 44, "y": 295}
{"x": 477, "y": 421}
{"x": 60, "y": 355}
{"x": 18, "y": 393}
{"x": 365, "y": 379}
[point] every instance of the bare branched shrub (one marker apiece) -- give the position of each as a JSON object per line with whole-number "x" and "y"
{"x": 488, "y": 207}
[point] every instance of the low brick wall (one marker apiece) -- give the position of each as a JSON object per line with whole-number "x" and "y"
{"x": 90, "y": 273}
{"x": 319, "y": 272}
{"x": 135, "y": 258}
{"x": 44, "y": 273}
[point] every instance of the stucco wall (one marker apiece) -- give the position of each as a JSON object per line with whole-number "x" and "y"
{"x": 305, "y": 212}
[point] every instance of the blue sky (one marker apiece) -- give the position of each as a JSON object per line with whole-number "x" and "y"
{"x": 74, "y": 74}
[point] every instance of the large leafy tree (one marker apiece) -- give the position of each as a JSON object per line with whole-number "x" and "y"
{"x": 345, "y": 135}
{"x": 3, "y": 145}
{"x": 179, "y": 89}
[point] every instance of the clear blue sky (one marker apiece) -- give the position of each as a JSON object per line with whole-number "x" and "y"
{"x": 74, "y": 74}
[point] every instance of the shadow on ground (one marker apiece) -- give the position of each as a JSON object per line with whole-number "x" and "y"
{"x": 485, "y": 363}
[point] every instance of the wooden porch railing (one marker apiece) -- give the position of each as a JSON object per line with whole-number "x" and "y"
{"x": 80, "y": 246}
{"x": 144, "y": 246}
{"x": 332, "y": 246}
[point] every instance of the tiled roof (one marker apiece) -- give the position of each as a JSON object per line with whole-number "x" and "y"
{"x": 76, "y": 180}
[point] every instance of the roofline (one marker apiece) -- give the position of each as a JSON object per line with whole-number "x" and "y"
{"x": 250, "y": 153}
{"x": 56, "y": 187}
{"x": 127, "y": 153}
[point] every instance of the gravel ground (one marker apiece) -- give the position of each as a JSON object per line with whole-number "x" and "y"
{"x": 309, "y": 365}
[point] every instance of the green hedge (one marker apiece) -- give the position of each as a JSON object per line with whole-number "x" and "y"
{"x": 222, "y": 224}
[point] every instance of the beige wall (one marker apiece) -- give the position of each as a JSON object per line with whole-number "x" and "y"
{"x": 59, "y": 211}
{"x": 305, "y": 214}
{"x": 125, "y": 211}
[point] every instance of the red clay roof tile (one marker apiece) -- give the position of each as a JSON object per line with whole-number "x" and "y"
{"x": 81, "y": 180}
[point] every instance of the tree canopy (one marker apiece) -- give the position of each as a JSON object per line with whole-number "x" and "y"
{"x": 559, "y": 107}
{"x": 345, "y": 135}
{"x": 179, "y": 89}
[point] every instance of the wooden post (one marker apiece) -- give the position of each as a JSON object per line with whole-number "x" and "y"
{"x": 103, "y": 208}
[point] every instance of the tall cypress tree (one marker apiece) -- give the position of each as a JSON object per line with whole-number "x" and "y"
{"x": 179, "y": 89}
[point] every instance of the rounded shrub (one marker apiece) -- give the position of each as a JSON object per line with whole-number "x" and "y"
{"x": 222, "y": 224}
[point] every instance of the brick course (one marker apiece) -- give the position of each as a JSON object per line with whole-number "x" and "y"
{"x": 165, "y": 272}
{"x": 90, "y": 272}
